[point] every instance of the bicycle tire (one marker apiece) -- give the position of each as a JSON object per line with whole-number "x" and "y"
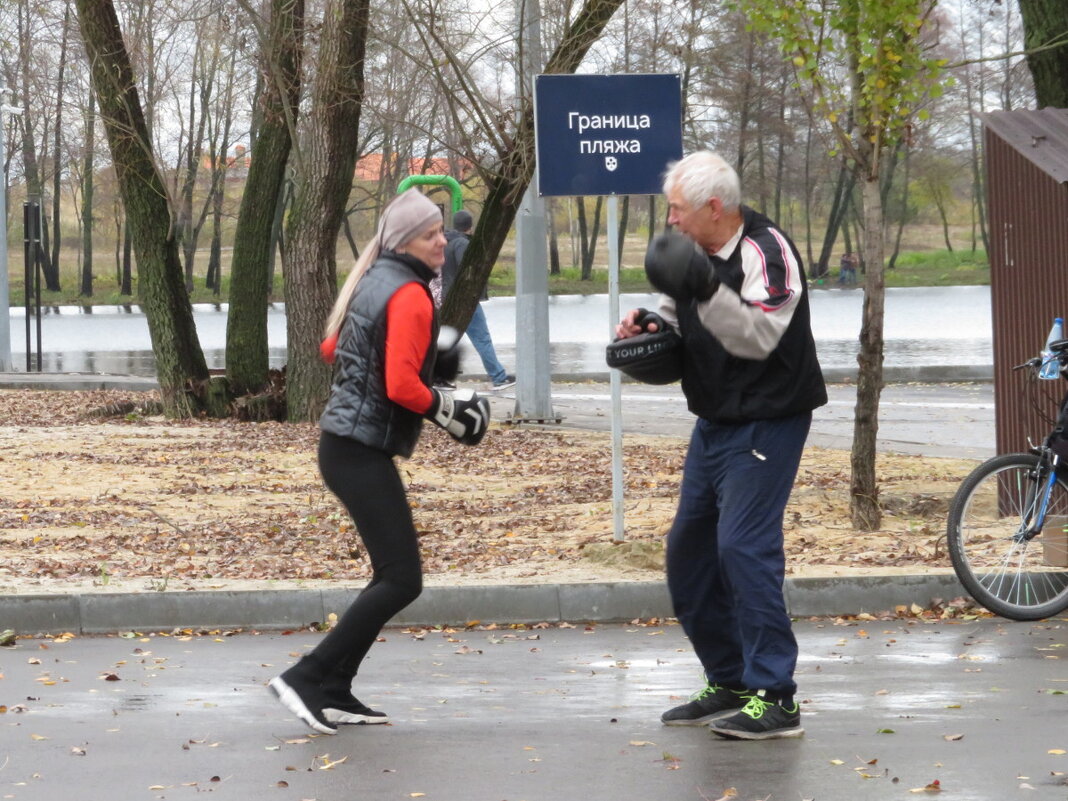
{"x": 1016, "y": 578}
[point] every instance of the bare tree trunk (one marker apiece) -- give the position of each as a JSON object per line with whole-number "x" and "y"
{"x": 278, "y": 233}
{"x": 940, "y": 204}
{"x": 188, "y": 230}
{"x": 892, "y": 261}
{"x": 322, "y": 191}
{"x": 87, "y": 198}
{"x": 746, "y": 106}
{"x": 57, "y": 160}
{"x": 808, "y": 192}
{"x": 584, "y": 235}
{"x": 346, "y": 228}
{"x": 126, "y": 287}
{"x": 554, "y": 242}
{"x": 213, "y": 279}
{"x": 180, "y": 365}
{"x": 780, "y": 155}
{"x": 1046, "y": 21}
{"x": 864, "y": 490}
{"x": 220, "y": 118}
{"x": 835, "y": 218}
{"x": 978, "y": 190}
{"x": 590, "y": 233}
{"x": 247, "y": 361}
{"x": 34, "y": 184}
{"x": 117, "y": 215}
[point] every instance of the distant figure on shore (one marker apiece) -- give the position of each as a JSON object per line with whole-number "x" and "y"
{"x": 478, "y": 329}
{"x": 847, "y": 270}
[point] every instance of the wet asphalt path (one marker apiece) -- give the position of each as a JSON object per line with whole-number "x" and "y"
{"x": 556, "y": 714}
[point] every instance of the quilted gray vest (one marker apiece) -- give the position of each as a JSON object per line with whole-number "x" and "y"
{"x": 358, "y": 407}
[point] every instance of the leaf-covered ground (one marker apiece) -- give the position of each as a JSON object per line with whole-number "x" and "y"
{"x": 125, "y": 500}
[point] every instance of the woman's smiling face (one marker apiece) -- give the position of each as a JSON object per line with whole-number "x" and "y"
{"x": 428, "y": 246}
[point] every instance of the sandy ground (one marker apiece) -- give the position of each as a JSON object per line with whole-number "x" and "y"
{"x": 133, "y": 503}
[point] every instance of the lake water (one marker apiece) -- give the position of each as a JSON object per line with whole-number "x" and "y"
{"x": 923, "y": 326}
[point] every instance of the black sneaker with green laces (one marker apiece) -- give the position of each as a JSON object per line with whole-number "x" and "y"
{"x": 761, "y": 719}
{"x": 713, "y": 702}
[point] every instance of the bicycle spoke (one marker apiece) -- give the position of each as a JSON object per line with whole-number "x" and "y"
{"x": 1000, "y": 558}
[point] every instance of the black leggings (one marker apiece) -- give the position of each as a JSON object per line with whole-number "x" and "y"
{"x": 366, "y": 480}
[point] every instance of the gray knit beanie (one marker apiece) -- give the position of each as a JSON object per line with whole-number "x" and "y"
{"x": 406, "y": 216}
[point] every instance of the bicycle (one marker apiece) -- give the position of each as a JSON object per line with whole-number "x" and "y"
{"x": 1007, "y": 531}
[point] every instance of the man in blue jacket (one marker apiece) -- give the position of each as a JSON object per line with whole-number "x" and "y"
{"x": 478, "y": 328}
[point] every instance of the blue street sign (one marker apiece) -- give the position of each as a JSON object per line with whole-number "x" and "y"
{"x": 606, "y": 134}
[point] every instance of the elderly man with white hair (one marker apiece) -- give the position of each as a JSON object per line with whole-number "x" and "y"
{"x": 735, "y": 291}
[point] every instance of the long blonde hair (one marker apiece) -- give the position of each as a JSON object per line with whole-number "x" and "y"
{"x": 348, "y": 289}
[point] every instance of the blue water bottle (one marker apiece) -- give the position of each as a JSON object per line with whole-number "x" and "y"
{"x": 1051, "y": 366}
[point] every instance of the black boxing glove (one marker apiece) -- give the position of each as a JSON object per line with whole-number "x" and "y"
{"x": 447, "y": 363}
{"x": 463, "y": 413}
{"x": 675, "y": 266}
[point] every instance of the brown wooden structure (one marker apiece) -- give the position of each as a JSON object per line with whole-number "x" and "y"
{"x": 1026, "y": 159}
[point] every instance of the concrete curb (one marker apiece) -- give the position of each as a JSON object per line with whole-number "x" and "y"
{"x": 601, "y": 602}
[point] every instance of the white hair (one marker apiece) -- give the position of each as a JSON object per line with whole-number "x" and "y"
{"x": 703, "y": 175}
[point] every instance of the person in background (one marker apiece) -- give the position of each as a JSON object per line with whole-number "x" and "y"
{"x": 381, "y": 337}
{"x": 478, "y": 328}
{"x": 734, "y": 289}
{"x": 847, "y": 268}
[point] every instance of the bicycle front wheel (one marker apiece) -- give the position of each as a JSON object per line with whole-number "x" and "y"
{"x": 1010, "y": 572}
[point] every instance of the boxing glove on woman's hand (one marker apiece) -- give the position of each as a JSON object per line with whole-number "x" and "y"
{"x": 463, "y": 413}
{"x": 447, "y": 363}
{"x": 675, "y": 266}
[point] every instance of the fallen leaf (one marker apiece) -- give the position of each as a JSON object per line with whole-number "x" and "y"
{"x": 933, "y": 787}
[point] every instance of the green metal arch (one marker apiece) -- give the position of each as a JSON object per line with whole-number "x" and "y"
{"x": 436, "y": 180}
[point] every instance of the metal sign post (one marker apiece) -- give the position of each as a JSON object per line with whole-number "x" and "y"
{"x": 616, "y": 384}
{"x": 533, "y": 388}
{"x": 607, "y": 135}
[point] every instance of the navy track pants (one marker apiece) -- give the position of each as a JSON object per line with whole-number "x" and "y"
{"x": 725, "y": 560}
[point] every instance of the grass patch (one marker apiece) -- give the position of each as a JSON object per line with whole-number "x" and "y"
{"x": 940, "y": 268}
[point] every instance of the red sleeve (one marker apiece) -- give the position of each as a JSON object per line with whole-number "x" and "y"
{"x": 409, "y": 320}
